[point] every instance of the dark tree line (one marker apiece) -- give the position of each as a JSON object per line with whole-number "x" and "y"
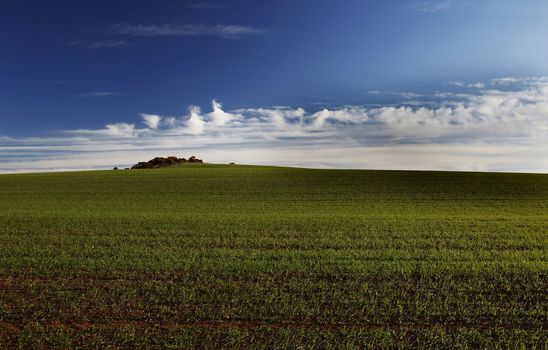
{"x": 164, "y": 162}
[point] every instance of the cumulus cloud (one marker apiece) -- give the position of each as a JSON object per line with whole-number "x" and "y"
{"x": 491, "y": 130}
{"x": 218, "y": 116}
{"x": 151, "y": 120}
{"x": 195, "y": 124}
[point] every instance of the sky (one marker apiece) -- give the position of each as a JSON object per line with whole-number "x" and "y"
{"x": 393, "y": 84}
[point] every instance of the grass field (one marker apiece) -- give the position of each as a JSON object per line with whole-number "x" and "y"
{"x": 262, "y": 257}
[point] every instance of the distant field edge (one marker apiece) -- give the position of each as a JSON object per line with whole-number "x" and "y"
{"x": 258, "y": 166}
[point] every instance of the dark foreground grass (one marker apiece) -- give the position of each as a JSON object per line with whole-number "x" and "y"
{"x": 259, "y": 257}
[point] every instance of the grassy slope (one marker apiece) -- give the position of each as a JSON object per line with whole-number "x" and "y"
{"x": 258, "y": 256}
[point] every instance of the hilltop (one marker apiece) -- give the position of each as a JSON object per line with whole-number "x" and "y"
{"x": 262, "y": 257}
{"x": 161, "y": 162}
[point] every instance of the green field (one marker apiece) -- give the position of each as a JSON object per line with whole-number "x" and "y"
{"x": 263, "y": 257}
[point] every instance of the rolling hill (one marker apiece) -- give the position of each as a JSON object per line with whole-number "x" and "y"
{"x": 229, "y": 256}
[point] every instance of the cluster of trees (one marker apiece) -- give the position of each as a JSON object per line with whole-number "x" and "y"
{"x": 163, "y": 162}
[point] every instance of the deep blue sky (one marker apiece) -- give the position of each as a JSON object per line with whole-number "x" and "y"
{"x": 68, "y": 65}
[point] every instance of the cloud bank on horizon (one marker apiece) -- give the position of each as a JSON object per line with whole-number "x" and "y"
{"x": 497, "y": 126}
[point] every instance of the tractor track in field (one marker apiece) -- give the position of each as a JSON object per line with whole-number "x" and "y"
{"x": 249, "y": 324}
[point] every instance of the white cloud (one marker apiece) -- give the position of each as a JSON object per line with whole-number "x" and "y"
{"x": 151, "y": 120}
{"x": 195, "y": 124}
{"x": 100, "y": 94}
{"x": 205, "y": 5}
{"x": 405, "y": 94}
{"x": 457, "y": 83}
{"x": 100, "y": 44}
{"x": 120, "y": 130}
{"x": 477, "y": 85}
{"x": 181, "y": 30}
{"x": 492, "y": 130}
{"x": 518, "y": 81}
{"x": 431, "y": 6}
{"x": 218, "y": 116}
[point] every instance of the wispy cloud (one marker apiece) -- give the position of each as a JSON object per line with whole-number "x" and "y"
{"x": 403, "y": 94}
{"x": 100, "y": 94}
{"x": 477, "y": 85}
{"x": 100, "y": 44}
{"x": 491, "y": 130}
{"x": 520, "y": 81}
{"x": 181, "y": 30}
{"x": 205, "y": 5}
{"x": 431, "y": 6}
